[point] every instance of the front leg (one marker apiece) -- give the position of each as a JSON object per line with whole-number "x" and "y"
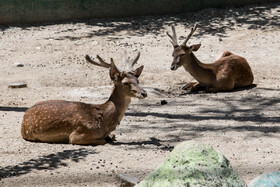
{"x": 193, "y": 87}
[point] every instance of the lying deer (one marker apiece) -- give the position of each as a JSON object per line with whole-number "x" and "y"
{"x": 228, "y": 72}
{"x": 59, "y": 121}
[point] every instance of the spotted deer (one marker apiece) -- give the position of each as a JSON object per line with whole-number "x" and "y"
{"x": 228, "y": 72}
{"x": 60, "y": 121}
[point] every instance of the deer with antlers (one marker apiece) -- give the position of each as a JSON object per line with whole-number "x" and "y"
{"x": 228, "y": 72}
{"x": 59, "y": 121}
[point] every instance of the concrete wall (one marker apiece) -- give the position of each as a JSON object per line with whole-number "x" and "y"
{"x": 33, "y": 11}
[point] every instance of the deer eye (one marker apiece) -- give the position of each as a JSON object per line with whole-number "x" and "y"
{"x": 125, "y": 83}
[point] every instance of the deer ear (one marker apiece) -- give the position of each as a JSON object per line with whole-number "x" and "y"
{"x": 138, "y": 71}
{"x": 195, "y": 47}
{"x": 115, "y": 75}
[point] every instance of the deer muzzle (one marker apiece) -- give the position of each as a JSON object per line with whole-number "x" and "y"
{"x": 140, "y": 93}
{"x": 173, "y": 67}
{"x": 144, "y": 94}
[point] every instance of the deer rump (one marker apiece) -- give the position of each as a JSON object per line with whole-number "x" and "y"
{"x": 232, "y": 71}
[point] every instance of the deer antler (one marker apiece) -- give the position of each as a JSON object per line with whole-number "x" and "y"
{"x": 173, "y": 37}
{"x": 129, "y": 63}
{"x": 191, "y": 33}
{"x": 102, "y": 63}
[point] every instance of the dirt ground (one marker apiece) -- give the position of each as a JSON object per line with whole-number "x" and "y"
{"x": 243, "y": 125}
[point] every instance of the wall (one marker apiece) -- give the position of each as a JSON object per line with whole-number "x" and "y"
{"x": 33, "y": 11}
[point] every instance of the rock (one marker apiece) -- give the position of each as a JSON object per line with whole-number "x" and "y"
{"x": 94, "y": 42}
{"x": 17, "y": 85}
{"x": 18, "y": 64}
{"x": 267, "y": 179}
{"x": 163, "y": 102}
{"x": 127, "y": 180}
{"x": 192, "y": 164}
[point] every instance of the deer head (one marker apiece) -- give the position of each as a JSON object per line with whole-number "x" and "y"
{"x": 182, "y": 53}
{"x": 126, "y": 81}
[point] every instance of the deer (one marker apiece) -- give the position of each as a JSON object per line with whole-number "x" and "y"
{"x": 230, "y": 71}
{"x": 61, "y": 121}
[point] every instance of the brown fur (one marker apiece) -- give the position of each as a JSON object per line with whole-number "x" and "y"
{"x": 229, "y": 72}
{"x": 60, "y": 121}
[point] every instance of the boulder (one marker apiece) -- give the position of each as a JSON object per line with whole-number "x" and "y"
{"x": 193, "y": 164}
{"x": 271, "y": 179}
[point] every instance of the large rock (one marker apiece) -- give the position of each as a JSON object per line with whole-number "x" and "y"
{"x": 192, "y": 164}
{"x": 266, "y": 180}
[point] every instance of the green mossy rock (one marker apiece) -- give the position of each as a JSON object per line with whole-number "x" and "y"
{"x": 192, "y": 164}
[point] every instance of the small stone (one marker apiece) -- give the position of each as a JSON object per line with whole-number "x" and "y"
{"x": 94, "y": 42}
{"x": 17, "y": 85}
{"x": 18, "y": 64}
{"x": 220, "y": 39}
{"x": 163, "y": 102}
{"x": 127, "y": 180}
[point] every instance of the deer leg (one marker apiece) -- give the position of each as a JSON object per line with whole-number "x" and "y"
{"x": 193, "y": 87}
{"x": 51, "y": 138}
{"x": 85, "y": 138}
{"x": 189, "y": 85}
{"x": 212, "y": 90}
{"x": 215, "y": 90}
{"x": 224, "y": 85}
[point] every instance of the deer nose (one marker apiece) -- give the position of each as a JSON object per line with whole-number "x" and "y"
{"x": 173, "y": 67}
{"x": 144, "y": 94}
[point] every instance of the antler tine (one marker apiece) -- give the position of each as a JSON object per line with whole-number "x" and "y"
{"x": 173, "y": 37}
{"x": 114, "y": 66}
{"x": 191, "y": 33}
{"x": 101, "y": 64}
{"x": 136, "y": 59}
{"x": 130, "y": 62}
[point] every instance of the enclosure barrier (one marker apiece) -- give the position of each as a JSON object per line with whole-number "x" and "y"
{"x": 34, "y": 11}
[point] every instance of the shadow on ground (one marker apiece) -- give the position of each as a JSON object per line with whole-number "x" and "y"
{"x": 211, "y": 21}
{"x": 46, "y": 162}
{"x": 13, "y": 109}
{"x": 248, "y": 113}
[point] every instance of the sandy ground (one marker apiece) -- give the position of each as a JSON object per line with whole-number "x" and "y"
{"x": 243, "y": 125}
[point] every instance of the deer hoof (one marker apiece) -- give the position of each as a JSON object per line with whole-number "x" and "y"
{"x": 186, "y": 87}
{"x": 110, "y": 138}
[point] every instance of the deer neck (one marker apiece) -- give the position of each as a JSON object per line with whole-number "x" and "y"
{"x": 198, "y": 70}
{"x": 120, "y": 101}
